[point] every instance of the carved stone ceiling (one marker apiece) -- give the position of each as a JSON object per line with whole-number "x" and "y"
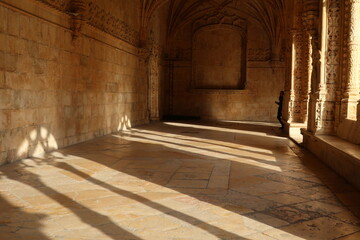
{"x": 268, "y": 14}
{"x": 186, "y": 10}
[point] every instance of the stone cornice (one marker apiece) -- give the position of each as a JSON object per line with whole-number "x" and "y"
{"x": 98, "y": 18}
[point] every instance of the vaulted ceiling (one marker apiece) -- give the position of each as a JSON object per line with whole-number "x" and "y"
{"x": 269, "y": 14}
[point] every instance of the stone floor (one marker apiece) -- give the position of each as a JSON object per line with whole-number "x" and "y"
{"x": 167, "y": 180}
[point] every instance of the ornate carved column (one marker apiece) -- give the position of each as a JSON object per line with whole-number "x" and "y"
{"x": 332, "y": 64}
{"x": 352, "y": 54}
{"x": 289, "y": 86}
{"x": 297, "y": 90}
{"x": 311, "y": 19}
{"x": 154, "y": 78}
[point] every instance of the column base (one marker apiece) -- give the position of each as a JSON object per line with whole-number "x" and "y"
{"x": 293, "y": 130}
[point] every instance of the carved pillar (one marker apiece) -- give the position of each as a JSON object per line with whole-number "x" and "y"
{"x": 77, "y": 10}
{"x": 296, "y": 78}
{"x": 332, "y": 64}
{"x": 298, "y": 89}
{"x": 289, "y": 84}
{"x": 317, "y": 94}
{"x": 154, "y": 78}
{"x": 352, "y": 53}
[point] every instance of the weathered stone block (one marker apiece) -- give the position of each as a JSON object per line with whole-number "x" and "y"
{"x": 20, "y": 118}
{"x": 45, "y": 33}
{"x": 59, "y": 39}
{"x": 32, "y": 49}
{"x": 25, "y": 64}
{"x": 35, "y": 30}
{"x": 24, "y": 99}
{"x": 3, "y": 157}
{"x": 3, "y": 19}
{"x": 69, "y": 112}
{"x": 2, "y": 80}
{"x": 2, "y": 61}
{"x": 3, "y": 42}
{"x": 11, "y": 62}
{"x": 13, "y": 23}
{"x": 39, "y": 66}
{"x": 48, "y": 53}
{"x": 70, "y": 128}
{"x": 4, "y": 120}
{"x": 16, "y": 45}
{"x": 24, "y": 27}
{"x": 16, "y": 137}
{"x": 6, "y": 99}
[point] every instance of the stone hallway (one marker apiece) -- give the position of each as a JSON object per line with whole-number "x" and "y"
{"x": 168, "y": 180}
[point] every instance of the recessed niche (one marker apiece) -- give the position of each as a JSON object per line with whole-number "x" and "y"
{"x": 219, "y": 58}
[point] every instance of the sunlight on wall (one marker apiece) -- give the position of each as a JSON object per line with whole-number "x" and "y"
{"x": 38, "y": 142}
{"x": 124, "y": 124}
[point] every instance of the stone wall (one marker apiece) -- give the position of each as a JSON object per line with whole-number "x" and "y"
{"x": 57, "y": 91}
{"x": 264, "y": 79}
{"x": 256, "y": 103}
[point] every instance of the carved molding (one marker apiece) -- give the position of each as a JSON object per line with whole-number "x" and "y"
{"x": 259, "y": 54}
{"x": 103, "y": 20}
{"x": 84, "y": 11}
{"x": 220, "y": 18}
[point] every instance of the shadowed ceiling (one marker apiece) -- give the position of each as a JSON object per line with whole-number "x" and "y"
{"x": 269, "y": 14}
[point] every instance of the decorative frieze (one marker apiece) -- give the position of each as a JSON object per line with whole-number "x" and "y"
{"x": 84, "y": 11}
{"x": 259, "y": 54}
{"x": 108, "y": 23}
{"x": 220, "y": 18}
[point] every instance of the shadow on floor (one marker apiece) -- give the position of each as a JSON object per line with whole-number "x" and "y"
{"x": 10, "y": 213}
{"x": 255, "y": 175}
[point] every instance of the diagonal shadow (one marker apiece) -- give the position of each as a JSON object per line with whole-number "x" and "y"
{"x": 171, "y": 212}
{"x": 30, "y": 222}
{"x": 140, "y": 151}
{"x": 87, "y": 216}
